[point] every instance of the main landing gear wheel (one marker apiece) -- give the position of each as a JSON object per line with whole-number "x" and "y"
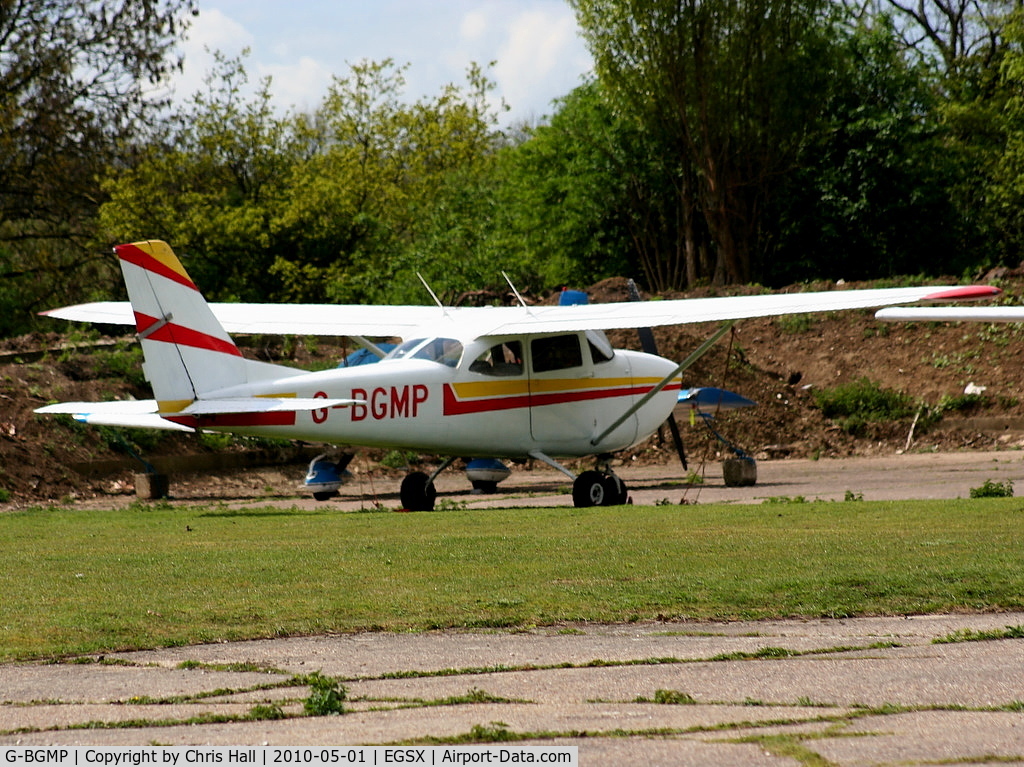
{"x": 417, "y": 492}
{"x": 592, "y": 488}
{"x": 615, "y": 490}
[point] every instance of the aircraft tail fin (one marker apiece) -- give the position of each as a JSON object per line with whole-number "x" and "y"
{"x": 188, "y": 354}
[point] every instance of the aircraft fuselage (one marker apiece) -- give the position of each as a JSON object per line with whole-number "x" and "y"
{"x": 500, "y": 397}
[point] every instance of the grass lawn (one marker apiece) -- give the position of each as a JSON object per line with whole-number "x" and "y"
{"x": 76, "y": 581}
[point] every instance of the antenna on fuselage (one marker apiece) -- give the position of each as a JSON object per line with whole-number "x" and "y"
{"x": 515, "y": 292}
{"x": 432, "y": 293}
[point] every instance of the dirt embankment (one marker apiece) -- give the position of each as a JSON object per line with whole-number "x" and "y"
{"x": 777, "y": 362}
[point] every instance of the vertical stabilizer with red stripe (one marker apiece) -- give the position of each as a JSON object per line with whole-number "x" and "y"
{"x": 188, "y": 353}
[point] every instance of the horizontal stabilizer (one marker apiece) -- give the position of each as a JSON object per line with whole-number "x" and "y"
{"x": 712, "y": 398}
{"x": 136, "y": 414}
{"x": 103, "y": 312}
{"x": 144, "y": 414}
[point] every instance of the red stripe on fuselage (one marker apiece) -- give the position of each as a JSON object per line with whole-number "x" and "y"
{"x": 234, "y": 420}
{"x": 454, "y": 406}
{"x": 179, "y": 334}
{"x": 139, "y": 257}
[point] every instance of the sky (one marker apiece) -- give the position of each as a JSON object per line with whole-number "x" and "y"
{"x": 535, "y": 44}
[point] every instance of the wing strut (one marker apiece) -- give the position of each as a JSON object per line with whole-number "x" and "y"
{"x": 552, "y": 463}
{"x": 695, "y": 355}
{"x": 369, "y": 345}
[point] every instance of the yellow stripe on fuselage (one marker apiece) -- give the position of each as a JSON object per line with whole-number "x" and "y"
{"x": 468, "y": 390}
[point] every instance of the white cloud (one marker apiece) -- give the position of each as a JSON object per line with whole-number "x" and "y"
{"x": 210, "y": 31}
{"x": 473, "y": 26}
{"x": 299, "y": 86}
{"x": 534, "y": 44}
{"x": 541, "y": 53}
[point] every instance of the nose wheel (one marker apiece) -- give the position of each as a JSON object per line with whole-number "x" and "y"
{"x": 597, "y": 488}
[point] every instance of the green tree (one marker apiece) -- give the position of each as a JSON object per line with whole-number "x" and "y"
{"x": 572, "y": 198}
{"x": 211, "y": 185}
{"x": 328, "y": 206}
{"x": 873, "y": 193}
{"x": 74, "y": 76}
{"x": 370, "y": 200}
{"x": 1005, "y": 192}
{"x": 964, "y": 43}
{"x": 727, "y": 88}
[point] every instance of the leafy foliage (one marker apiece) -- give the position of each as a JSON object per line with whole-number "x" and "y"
{"x": 568, "y": 197}
{"x": 719, "y": 141}
{"x": 73, "y": 81}
{"x": 862, "y": 401}
{"x": 992, "y": 489}
{"x": 873, "y": 192}
{"x": 326, "y": 695}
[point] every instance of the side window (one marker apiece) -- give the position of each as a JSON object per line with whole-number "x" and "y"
{"x": 500, "y": 360}
{"x": 556, "y": 353}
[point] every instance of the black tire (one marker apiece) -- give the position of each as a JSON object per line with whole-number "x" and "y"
{"x": 325, "y": 496}
{"x": 615, "y": 493}
{"x": 417, "y": 492}
{"x": 589, "y": 490}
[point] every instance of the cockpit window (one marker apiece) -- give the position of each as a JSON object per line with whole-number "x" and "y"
{"x": 446, "y": 351}
{"x": 405, "y": 349}
{"x": 500, "y": 360}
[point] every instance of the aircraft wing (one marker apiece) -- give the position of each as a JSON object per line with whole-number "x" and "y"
{"x": 554, "y": 319}
{"x": 375, "y": 320}
{"x": 467, "y": 323}
{"x": 953, "y": 314}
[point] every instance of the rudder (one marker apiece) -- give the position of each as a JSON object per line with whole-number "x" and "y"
{"x": 187, "y": 351}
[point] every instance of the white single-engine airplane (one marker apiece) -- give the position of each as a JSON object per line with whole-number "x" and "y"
{"x": 501, "y": 382}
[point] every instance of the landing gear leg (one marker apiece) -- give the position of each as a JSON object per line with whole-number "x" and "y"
{"x": 325, "y": 474}
{"x": 615, "y": 493}
{"x": 598, "y": 487}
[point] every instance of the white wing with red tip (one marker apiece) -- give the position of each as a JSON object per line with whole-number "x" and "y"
{"x": 476, "y": 322}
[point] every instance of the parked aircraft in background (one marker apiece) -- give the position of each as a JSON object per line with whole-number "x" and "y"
{"x": 519, "y": 382}
{"x": 952, "y": 314}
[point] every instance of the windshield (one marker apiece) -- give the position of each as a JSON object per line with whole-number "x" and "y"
{"x": 446, "y": 351}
